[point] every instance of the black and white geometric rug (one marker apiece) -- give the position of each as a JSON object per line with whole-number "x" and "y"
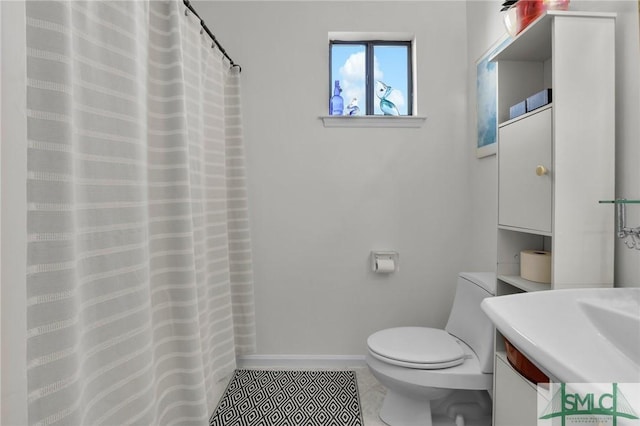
{"x": 292, "y": 398}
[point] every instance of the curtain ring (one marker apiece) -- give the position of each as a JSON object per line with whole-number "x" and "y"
{"x": 201, "y": 30}
{"x": 186, "y": 12}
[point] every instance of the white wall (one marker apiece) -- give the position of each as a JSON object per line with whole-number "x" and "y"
{"x": 484, "y": 27}
{"x": 322, "y": 198}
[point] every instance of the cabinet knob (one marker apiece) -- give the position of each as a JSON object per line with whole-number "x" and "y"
{"x": 541, "y": 170}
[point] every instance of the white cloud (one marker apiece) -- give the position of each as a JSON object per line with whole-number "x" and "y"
{"x": 354, "y": 67}
{"x": 352, "y": 80}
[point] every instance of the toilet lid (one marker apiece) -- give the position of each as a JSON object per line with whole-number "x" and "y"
{"x": 416, "y": 347}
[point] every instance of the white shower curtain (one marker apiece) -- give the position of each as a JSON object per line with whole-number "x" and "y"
{"x": 139, "y": 276}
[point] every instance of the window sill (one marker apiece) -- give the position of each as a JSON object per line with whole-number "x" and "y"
{"x": 373, "y": 121}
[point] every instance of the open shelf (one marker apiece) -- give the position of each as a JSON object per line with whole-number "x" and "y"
{"x": 525, "y": 230}
{"x": 525, "y": 115}
{"x": 522, "y": 284}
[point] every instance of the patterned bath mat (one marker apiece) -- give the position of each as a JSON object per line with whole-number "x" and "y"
{"x": 292, "y": 398}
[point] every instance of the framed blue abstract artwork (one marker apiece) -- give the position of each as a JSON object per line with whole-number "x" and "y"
{"x": 486, "y": 100}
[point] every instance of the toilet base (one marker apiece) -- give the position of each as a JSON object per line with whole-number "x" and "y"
{"x": 400, "y": 409}
{"x": 458, "y": 408}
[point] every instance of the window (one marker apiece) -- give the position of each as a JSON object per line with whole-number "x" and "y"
{"x": 370, "y": 78}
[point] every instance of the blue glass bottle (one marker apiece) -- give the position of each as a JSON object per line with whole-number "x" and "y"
{"x": 336, "y": 104}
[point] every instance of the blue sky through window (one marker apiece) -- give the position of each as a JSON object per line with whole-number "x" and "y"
{"x": 390, "y": 66}
{"x": 349, "y": 66}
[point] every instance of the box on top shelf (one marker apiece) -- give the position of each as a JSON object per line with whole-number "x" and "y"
{"x": 539, "y": 99}
{"x": 517, "y": 109}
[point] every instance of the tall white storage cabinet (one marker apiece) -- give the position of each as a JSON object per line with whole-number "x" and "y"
{"x": 554, "y": 164}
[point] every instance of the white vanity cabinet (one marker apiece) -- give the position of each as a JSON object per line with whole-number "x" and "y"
{"x": 554, "y": 164}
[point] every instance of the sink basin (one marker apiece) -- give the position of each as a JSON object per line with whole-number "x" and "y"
{"x": 617, "y": 320}
{"x": 577, "y": 335}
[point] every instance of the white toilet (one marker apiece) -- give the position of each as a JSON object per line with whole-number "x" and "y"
{"x": 436, "y": 376}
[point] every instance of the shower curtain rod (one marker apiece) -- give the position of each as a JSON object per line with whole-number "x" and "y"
{"x": 206, "y": 29}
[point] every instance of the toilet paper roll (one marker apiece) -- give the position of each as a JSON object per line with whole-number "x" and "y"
{"x": 385, "y": 265}
{"x": 535, "y": 265}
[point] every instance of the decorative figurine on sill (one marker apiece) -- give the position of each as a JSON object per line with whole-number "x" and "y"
{"x": 382, "y": 92}
{"x": 353, "y": 108}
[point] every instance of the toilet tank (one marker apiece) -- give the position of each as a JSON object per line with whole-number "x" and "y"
{"x": 467, "y": 321}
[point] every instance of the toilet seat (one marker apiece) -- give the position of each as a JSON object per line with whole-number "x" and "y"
{"x": 416, "y": 347}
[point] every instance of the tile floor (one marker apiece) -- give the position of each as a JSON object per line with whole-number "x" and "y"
{"x": 371, "y": 395}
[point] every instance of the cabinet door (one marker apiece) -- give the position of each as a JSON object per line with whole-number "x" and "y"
{"x": 515, "y": 399}
{"x": 524, "y": 197}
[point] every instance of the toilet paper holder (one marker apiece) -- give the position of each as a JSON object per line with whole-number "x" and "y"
{"x": 384, "y": 262}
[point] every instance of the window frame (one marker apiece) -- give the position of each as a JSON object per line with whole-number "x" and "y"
{"x": 369, "y": 67}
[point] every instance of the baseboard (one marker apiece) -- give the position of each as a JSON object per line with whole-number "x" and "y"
{"x": 301, "y": 361}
